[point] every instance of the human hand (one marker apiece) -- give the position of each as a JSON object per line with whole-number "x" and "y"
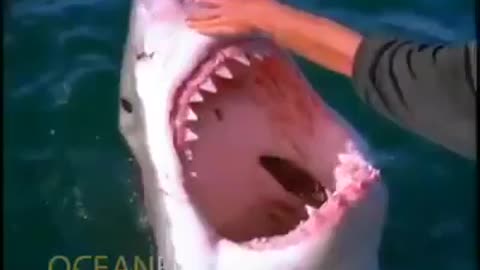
{"x": 227, "y": 17}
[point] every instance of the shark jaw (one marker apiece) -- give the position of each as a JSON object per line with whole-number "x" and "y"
{"x": 243, "y": 166}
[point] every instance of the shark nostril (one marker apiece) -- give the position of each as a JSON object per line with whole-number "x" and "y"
{"x": 144, "y": 55}
{"x": 126, "y": 105}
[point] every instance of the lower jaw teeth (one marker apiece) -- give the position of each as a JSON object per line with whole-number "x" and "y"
{"x": 310, "y": 210}
{"x": 260, "y": 240}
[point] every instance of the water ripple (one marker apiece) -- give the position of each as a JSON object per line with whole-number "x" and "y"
{"x": 48, "y": 8}
{"x": 83, "y": 32}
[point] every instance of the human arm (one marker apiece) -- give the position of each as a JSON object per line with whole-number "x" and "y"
{"x": 427, "y": 89}
{"x": 318, "y": 39}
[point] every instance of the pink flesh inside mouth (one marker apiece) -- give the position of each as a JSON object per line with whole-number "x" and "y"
{"x": 242, "y": 150}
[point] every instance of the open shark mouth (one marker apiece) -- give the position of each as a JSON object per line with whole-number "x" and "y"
{"x": 264, "y": 163}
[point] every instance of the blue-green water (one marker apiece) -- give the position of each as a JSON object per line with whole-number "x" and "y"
{"x": 69, "y": 187}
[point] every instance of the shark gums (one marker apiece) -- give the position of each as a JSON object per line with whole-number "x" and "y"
{"x": 243, "y": 165}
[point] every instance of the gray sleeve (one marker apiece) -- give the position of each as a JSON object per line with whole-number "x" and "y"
{"x": 427, "y": 89}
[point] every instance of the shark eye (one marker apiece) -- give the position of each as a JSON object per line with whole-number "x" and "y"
{"x": 126, "y": 105}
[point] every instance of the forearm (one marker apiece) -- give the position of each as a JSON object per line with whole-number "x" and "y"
{"x": 320, "y": 40}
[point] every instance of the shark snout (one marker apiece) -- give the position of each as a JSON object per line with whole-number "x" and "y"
{"x": 171, "y": 9}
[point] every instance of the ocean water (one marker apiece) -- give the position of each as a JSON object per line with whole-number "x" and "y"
{"x": 68, "y": 177}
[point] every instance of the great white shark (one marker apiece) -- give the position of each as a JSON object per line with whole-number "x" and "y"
{"x": 243, "y": 165}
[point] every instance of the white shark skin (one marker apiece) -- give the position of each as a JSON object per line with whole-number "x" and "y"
{"x": 182, "y": 239}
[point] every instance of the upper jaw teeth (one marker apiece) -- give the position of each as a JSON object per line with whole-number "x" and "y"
{"x": 224, "y": 72}
{"x": 259, "y": 56}
{"x": 190, "y": 135}
{"x": 196, "y": 97}
{"x": 189, "y": 154}
{"x": 208, "y": 85}
{"x": 242, "y": 59}
{"x": 191, "y": 116}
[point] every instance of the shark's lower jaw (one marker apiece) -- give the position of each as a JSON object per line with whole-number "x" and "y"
{"x": 264, "y": 164}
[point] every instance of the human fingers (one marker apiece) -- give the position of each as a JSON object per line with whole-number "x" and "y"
{"x": 209, "y": 2}
{"x": 214, "y": 30}
{"x": 202, "y": 24}
{"x": 219, "y": 31}
{"x": 202, "y": 13}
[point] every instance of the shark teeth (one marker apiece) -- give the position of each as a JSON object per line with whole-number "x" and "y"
{"x": 190, "y": 136}
{"x": 259, "y": 56}
{"x": 224, "y": 72}
{"x": 261, "y": 240}
{"x": 189, "y": 154}
{"x": 339, "y": 200}
{"x": 364, "y": 184}
{"x": 196, "y": 97}
{"x": 310, "y": 210}
{"x": 242, "y": 59}
{"x": 344, "y": 158}
{"x": 208, "y": 86}
{"x": 191, "y": 116}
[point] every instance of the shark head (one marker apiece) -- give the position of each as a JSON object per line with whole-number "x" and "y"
{"x": 243, "y": 165}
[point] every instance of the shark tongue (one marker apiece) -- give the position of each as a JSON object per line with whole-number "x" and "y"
{"x": 295, "y": 180}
